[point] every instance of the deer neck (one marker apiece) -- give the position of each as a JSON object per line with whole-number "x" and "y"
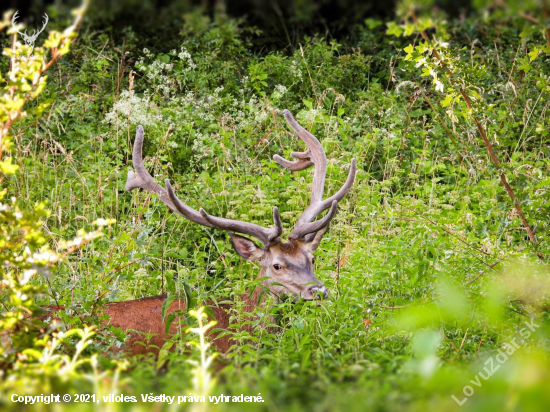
{"x": 256, "y": 299}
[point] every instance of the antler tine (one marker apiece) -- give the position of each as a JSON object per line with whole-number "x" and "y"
{"x": 13, "y": 22}
{"x": 46, "y": 20}
{"x": 314, "y": 155}
{"x": 339, "y": 195}
{"x": 142, "y": 179}
{"x": 35, "y": 33}
{"x": 301, "y": 230}
{"x": 294, "y": 166}
{"x": 264, "y": 235}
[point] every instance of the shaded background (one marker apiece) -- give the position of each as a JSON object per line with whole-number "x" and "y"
{"x": 281, "y": 22}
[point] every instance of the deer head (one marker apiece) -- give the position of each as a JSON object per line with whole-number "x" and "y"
{"x": 32, "y": 38}
{"x": 288, "y": 267}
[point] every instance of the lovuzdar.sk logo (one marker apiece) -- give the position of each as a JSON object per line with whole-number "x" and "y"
{"x": 29, "y": 39}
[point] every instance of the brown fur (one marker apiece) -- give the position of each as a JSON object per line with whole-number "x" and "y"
{"x": 144, "y": 315}
{"x": 292, "y": 248}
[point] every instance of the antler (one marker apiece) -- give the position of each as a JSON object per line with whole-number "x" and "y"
{"x": 141, "y": 178}
{"x": 46, "y": 20}
{"x": 314, "y": 156}
{"x": 35, "y": 34}
{"x": 14, "y": 22}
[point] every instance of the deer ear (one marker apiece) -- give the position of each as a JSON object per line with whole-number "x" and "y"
{"x": 313, "y": 239}
{"x": 246, "y": 248}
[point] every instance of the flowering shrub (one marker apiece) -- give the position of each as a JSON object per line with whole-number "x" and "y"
{"x": 31, "y": 357}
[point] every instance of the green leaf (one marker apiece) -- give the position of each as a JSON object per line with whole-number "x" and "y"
{"x": 409, "y": 49}
{"x": 373, "y": 23}
{"x": 166, "y": 305}
{"x": 189, "y": 300}
{"x": 164, "y": 352}
{"x": 168, "y": 322}
{"x": 164, "y": 58}
{"x": 7, "y": 167}
{"x": 525, "y": 66}
{"x": 394, "y": 29}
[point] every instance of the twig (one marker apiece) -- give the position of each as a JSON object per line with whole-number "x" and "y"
{"x": 449, "y": 232}
{"x": 481, "y": 338}
{"x": 461, "y": 155}
{"x": 545, "y": 14}
{"x": 393, "y": 307}
{"x": 491, "y": 266}
{"x": 406, "y": 306}
{"x": 338, "y": 264}
{"x": 529, "y": 17}
{"x": 450, "y": 341}
{"x": 99, "y": 294}
{"x": 496, "y": 162}
{"x": 463, "y": 339}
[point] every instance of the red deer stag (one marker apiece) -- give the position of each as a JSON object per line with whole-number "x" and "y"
{"x": 287, "y": 267}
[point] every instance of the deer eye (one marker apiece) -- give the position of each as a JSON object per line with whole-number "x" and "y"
{"x": 312, "y": 260}
{"x": 276, "y": 266}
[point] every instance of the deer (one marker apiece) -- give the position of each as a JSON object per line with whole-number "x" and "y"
{"x": 287, "y": 268}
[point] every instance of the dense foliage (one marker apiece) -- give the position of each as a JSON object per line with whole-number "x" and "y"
{"x": 436, "y": 260}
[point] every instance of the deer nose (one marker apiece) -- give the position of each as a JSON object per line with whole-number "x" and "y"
{"x": 317, "y": 290}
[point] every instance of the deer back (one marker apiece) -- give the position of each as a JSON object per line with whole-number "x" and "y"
{"x": 145, "y": 316}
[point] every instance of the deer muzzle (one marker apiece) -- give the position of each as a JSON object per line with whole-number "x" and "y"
{"x": 318, "y": 292}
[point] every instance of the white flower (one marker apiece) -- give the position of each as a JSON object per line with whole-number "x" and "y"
{"x": 134, "y": 110}
{"x": 27, "y": 275}
{"x": 279, "y": 92}
{"x": 185, "y": 56}
{"x": 421, "y": 62}
{"x": 295, "y": 70}
{"x": 147, "y": 53}
{"x": 46, "y": 256}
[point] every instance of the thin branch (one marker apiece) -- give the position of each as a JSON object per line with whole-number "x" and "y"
{"x": 463, "y": 339}
{"x": 486, "y": 141}
{"x": 491, "y": 266}
{"x": 496, "y": 162}
{"x": 450, "y": 341}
